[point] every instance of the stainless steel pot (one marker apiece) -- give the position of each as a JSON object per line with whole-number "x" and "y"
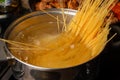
{"x": 30, "y": 72}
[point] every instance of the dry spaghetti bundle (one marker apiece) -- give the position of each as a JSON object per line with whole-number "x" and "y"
{"x": 80, "y": 41}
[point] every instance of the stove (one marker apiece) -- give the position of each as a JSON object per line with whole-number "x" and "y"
{"x": 6, "y": 72}
{"x": 88, "y": 73}
{"x": 103, "y": 67}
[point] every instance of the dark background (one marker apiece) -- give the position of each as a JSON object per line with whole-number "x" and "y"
{"x": 110, "y": 57}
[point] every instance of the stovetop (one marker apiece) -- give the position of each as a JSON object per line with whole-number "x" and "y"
{"x": 6, "y": 72}
{"x": 109, "y": 65}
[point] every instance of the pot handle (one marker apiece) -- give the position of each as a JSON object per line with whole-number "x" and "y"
{"x": 115, "y": 28}
{"x": 4, "y": 55}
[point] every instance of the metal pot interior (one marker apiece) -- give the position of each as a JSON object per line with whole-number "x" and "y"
{"x": 32, "y": 27}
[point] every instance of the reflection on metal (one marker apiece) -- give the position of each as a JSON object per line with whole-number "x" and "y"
{"x": 3, "y": 16}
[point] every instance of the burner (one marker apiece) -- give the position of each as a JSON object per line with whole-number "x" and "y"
{"x": 5, "y": 72}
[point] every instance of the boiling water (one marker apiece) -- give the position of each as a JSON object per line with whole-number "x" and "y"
{"x": 41, "y": 35}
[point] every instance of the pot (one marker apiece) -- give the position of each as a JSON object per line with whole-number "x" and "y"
{"x": 27, "y": 71}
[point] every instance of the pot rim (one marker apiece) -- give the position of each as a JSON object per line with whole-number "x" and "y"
{"x": 35, "y": 13}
